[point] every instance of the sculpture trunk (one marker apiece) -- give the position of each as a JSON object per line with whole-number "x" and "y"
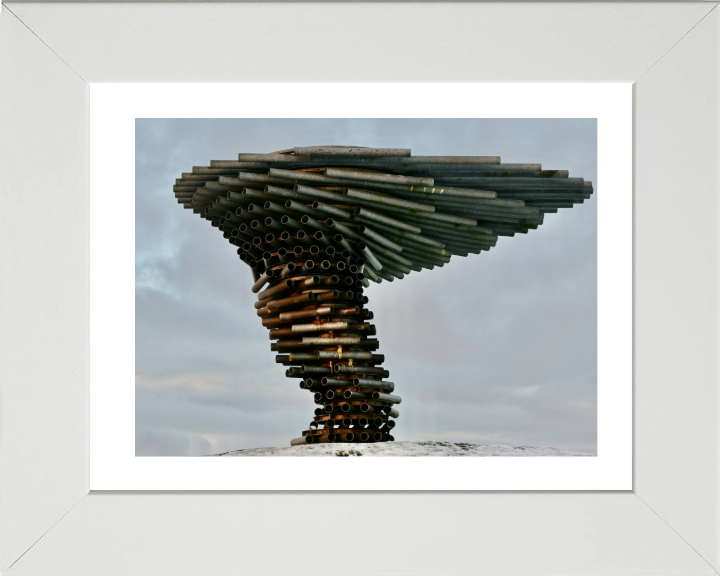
{"x": 330, "y": 332}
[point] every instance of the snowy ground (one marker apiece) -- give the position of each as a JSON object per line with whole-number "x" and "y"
{"x": 402, "y": 449}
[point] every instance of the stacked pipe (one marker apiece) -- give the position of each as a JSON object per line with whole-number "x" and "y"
{"x": 317, "y": 224}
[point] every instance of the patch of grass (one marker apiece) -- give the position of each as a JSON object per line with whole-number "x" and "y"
{"x": 348, "y": 453}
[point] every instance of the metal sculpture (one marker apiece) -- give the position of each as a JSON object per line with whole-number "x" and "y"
{"x": 317, "y": 224}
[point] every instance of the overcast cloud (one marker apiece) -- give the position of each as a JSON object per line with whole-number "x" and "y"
{"x": 496, "y": 348}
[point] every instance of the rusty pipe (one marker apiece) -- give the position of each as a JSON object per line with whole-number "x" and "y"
{"x": 264, "y": 279}
{"x": 317, "y": 312}
{"x": 300, "y": 299}
{"x": 289, "y": 269}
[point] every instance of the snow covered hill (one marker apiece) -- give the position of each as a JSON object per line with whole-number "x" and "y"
{"x": 402, "y": 449}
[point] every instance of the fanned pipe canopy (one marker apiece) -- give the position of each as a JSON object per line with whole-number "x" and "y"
{"x": 317, "y": 224}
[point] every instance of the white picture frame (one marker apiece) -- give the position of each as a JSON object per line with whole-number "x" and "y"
{"x": 113, "y": 110}
{"x": 667, "y": 524}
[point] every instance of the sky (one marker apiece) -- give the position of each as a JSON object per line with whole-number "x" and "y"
{"x": 495, "y": 348}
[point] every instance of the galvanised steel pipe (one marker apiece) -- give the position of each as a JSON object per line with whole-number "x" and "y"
{"x": 398, "y": 235}
{"x": 330, "y": 341}
{"x": 331, "y": 210}
{"x": 427, "y": 217}
{"x": 530, "y": 214}
{"x": 350, "y": 151}
{"x": 393, "y": 267}
{"x": 379, "y": 238}
{"x": 512, "y": 183}
{"x": 359, "y": 369}
{"x": 386, "y": 397}
{"x": 494, "y": 169}
{"x": 451, "y": 232}
{"x": 364, "y": 214}
{"x": 320, "y": 327}
{"x": 322, "y": 180}
{"x": 380, "y": 249}
{"x": 308, "y": 193}
{"x": 337, "y": 382}
{"x": 440, "y": 201}
{"x": 343, "y": 228}
{"x": 354, "y": 355}
{"x": 261, "y": 160}
{"x": 260, "y": 227}
{"x": 322, "y": 370}
{"x": 365, "y": 176}
{"x": 372, "y": 260}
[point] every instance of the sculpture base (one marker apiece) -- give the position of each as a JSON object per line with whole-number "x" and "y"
{"x": 426, "y": 448}
{"x": 343, "y": 436}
